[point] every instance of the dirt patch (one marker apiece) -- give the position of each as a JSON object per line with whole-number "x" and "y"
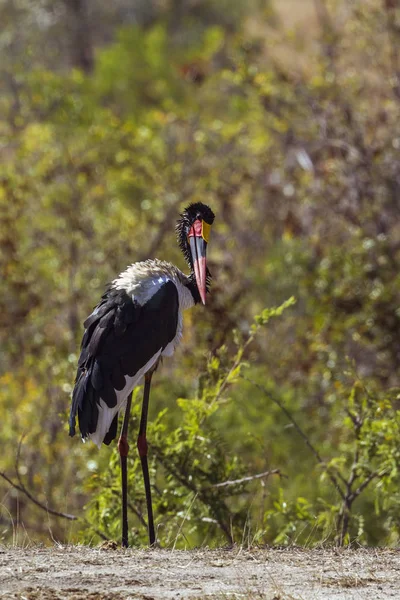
{"x": 82, "y": 573}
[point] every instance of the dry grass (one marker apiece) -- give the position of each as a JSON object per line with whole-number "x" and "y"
{"x": 77, "y": 573}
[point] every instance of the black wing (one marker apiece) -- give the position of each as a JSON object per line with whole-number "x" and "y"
{"x": 120, "y": 337}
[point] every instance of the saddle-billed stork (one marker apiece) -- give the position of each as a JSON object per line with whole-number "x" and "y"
{"x": 138, "y": 320}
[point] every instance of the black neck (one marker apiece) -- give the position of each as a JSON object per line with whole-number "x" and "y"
{"x": 192, "y": 287}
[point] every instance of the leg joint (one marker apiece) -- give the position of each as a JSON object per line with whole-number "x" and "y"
{"x": 123, "y": 446}
{"x": 142, "y": 445}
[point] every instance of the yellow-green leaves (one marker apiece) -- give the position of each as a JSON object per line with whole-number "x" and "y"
{"x": 269, "y": 313}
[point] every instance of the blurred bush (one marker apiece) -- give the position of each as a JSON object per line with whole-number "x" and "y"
{"x": 290, "y": 132}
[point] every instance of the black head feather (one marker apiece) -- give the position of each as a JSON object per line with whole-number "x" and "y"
{"x": 195, "y": 211}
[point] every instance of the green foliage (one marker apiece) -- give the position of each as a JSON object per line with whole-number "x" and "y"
{"x": 268, "y": 313}
{"x": 367, "y": 455}
{"x": 151, "y": 79}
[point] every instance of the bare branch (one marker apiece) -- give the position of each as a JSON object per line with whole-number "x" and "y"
{"x": 97, "y": 531}
{"x": 138, "y": 513}
{"x": 133, "y": 508}
{"x": 246, "y": 479}
{"x": 22, "y": 488}
{"x": 200, "y": 493}
{"x": 331, "y": 476}
{"x": 364, "y": 484}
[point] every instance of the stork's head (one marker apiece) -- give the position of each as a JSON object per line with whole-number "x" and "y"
{"x": 193, "y": 231}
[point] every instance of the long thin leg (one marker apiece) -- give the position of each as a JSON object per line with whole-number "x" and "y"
{"x": 123, "y": 448}
{"x": 142, "y": 447}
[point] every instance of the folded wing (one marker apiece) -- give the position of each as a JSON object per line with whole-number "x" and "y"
{"x": 121, "y": 338}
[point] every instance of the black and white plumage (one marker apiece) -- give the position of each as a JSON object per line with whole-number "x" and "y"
{"x": 138, "y": 320}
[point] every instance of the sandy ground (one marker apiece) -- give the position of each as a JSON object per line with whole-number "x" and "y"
{"x": 82, "y": 573}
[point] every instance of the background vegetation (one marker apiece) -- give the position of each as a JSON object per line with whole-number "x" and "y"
{"x": 284, "y": 117}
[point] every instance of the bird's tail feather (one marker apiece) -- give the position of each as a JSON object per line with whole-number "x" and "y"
{"x": 84, "y": 404}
